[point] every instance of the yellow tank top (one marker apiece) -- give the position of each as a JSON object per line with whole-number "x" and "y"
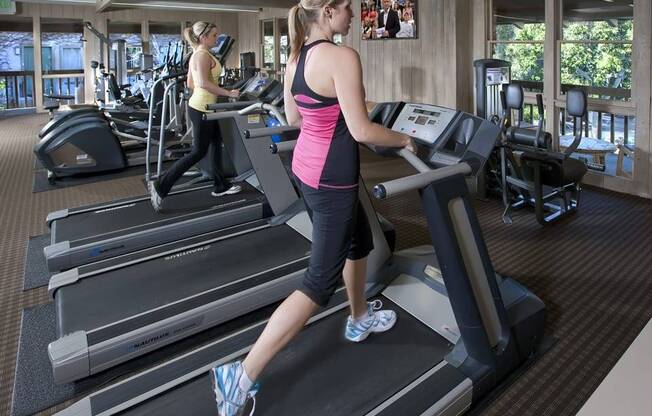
{"x": 200, "y": 97}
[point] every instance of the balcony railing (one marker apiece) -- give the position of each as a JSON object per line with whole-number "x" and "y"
{"x": 16, "y": 89}
{"x": 616, "y": 128}
{"x": 62, "y": 82}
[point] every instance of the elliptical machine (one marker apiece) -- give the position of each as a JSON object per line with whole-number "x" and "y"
{"x": 88, "y": 142}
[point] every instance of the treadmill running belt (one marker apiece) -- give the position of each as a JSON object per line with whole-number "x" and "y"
{"x": 106, "y": 298}
{"x": 101, "y": 224}
{"x": 320, "y": 373}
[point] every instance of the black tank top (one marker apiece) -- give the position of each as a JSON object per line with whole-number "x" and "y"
{"x": 326, "y": 155}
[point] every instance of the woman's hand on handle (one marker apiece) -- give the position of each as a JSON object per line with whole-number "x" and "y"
{"x": 411, "y": 146}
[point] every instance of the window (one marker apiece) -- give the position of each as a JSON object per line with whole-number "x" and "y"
{"x": 595, "y": 54}
{"x": 16, "y": 64}
{"x": 284, "y": 43}
{"x": 71, "y": 58}
{"x": 130, "y": 33}
{"x": 62, "y": 46}
{"x": 62, "y": 56}
{"x": 596, "y": 50}
{"x": 268, "y": 44}
{"x": 165, "y": 38}
{"x": 518, "y": 37}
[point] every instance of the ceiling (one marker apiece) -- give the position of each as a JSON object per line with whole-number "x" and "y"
{"x": 235, "y": 5}
{"x": 515, "y": 11}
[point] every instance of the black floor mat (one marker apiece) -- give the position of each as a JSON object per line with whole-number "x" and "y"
{"x": 36, "y": 270}
{"x": 34, "y": 388}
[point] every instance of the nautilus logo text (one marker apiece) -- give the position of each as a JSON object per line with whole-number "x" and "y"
{"x": 187, "y": 252}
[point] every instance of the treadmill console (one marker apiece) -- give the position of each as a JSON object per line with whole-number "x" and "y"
{"x": 256, "y": 86}
{"x": 450, "y": 136}
{"x": 425, "y": 123}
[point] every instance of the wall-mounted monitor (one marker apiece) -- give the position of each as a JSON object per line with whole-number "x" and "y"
{"x": 388, "y": 19}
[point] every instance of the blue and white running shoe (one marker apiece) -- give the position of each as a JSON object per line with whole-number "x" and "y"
{"x": 231, "y": 398}
{"x": 376, "y": 321}
{"x": 155, "y": 198}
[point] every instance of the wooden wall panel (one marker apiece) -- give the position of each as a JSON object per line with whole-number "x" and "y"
{"x": 249, "y": 34}
{"x": 424, "y": 69}
{"x": 249, "y": 30}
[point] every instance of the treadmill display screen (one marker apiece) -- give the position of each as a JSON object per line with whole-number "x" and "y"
{"x": 426, "y": 112}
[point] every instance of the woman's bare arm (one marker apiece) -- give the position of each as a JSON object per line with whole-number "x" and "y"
{"x": 291, "y": 112}
{"x": 347, "y": 77}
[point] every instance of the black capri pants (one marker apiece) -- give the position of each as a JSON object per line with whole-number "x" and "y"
{"x": 203, "y": 134}
{"x": 340, "y": 231}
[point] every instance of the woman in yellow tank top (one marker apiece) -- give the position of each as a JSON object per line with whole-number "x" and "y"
{"x": 203, "y": 75}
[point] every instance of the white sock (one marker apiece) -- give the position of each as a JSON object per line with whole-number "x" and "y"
{"x": 363, "y": 317}
{"x": 245, "y": 383}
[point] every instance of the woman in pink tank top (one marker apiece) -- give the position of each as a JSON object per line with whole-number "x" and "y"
{"x": 327, "y": 101}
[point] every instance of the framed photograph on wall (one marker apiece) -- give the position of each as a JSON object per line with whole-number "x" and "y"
{"x": 388, "y": 19}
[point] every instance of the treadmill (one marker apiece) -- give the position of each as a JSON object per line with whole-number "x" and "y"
{"x": 93, "y": 233}
{"x": 461, "y": 327}
{"x": 112, "y": 310}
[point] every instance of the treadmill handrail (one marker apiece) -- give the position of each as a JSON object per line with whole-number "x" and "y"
{"x": 231, "y": 106}
{"x": 161, "y": 141}
{"x": 275, "y": 111}
{"x": 256, "y": 107}
{"x": 268, "y": 131}
{"x": 401, "y": 185}
{"x": 283, "y": 147}
{"x": 150, "y": 125}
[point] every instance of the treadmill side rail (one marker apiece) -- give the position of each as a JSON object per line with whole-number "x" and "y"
{"x": 56, "y": 215}
{"x": 132, "y": 236}
{"x": 59, "y": 280}
{"x": 111, "y": 352}
{"x": 301, "y": 223}
{"x": 80, "y": 408}
{"x": 57, "y": 255}
{"x": 69, "y": 357}
{"x": 456, "y": 402}
{"x": 444, "y": 383}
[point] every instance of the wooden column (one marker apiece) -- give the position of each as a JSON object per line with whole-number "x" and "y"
{"x": 480, "y": 14}
{"x": 277, "y": 49}
{"x": 641, "y": 93}
{"x": 38, "y": 71}
{"x": 464, "y": 59}
{"x": 102, "y": 25}
{"x": 144, "y": 34}
{"x": 551, "y": 68}
{"x": 92, "y": 52}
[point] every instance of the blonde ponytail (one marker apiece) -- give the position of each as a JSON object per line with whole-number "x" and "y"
{"x": 297, "y": 30}
{"x": 190, "y": 38}
{"x": 301, "y": 18}
{"x": 192, "y": 34}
